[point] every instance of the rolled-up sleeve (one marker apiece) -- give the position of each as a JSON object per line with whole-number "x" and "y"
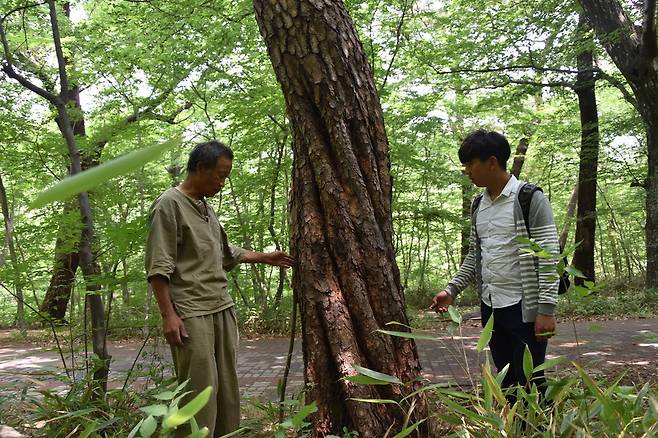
{"x": 231, "y": 255}
{"x": 161, "y": 243}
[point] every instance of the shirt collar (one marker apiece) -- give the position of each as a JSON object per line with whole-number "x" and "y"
{"x": 510, "y": 189}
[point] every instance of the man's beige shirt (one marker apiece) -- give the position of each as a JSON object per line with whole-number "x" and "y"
{"x": 187, "y": 245}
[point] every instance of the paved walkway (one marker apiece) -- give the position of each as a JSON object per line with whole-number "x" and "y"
{"x": 606, "y": 345}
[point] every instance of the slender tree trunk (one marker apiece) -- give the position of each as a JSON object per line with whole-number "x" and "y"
{"x": 340, "y": 217}
{"x": 583, "y": 257}
{"x": 571, "y": 211}
{"x": 519, "y": 156}
{"x": 9, "y": 236}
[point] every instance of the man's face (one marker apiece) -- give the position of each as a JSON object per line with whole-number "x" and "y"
{"x": 480, "y": 171}
{"x": 212, "y": 180}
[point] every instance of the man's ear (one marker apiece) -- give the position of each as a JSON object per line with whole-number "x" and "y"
{"x": 492, "y": 162}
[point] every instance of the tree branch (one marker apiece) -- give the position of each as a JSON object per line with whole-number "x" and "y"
{"x": 61, "y": 62}
{"x": 398, "y": 37}
{"x": 20, "y": 8}
{"x": 8, "y": 68}
{"x": 628, "y": 96}
{"x": 501, "y": 69}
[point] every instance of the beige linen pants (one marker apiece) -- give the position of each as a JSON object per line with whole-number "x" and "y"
{"x": 209, "y": 357}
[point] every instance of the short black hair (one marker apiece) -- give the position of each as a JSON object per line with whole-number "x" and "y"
{"x": 206, "y": 155}
{"x": 483, "y": 144}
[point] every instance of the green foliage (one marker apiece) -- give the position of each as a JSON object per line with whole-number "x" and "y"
{"x": 165, "y": 418}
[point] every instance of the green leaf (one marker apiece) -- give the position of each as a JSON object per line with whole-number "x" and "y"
{"x": 166, "y": 395}
{"x": 596, "y": 327}
{"x": 454, "y": 314}
{"x": 381, "y": 377}
{"x": 575, "y": 272}
{"x": 201, "y": 433}
{"x": 148, "y": 427}
{"x": 485, "y": 337}
{"x": 398, "y": 323}
{"x": 90, "y": 178}
{"x": 410, "y": 335}
{"x": 91, "y": 428}
{"x": 304, "y": 412}
{"x": 135, "y": 429}
{"x": 550, "y": 363}
{"x": 155, "y": 410}
{"x": 235, "y": 432}
{"x": 493, "y": 385}
{"x": 501, "y": 375}
{"x": 527, "y": 363}
{"x": 189, "y": 410}
{"x": 378, "y": 401}
{"x": 408, "y": 430}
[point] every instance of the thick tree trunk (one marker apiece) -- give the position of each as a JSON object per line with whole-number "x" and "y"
{"x": 583, "y": 257}
{"x": 634, "y": 50}
{"x": 340, "y": 218}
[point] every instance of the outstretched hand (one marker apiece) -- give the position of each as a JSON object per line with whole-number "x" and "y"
{"x": 280, "y": 259}
{"x": 441, "y": 301}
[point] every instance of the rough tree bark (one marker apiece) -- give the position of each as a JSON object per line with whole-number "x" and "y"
{"x": 583, "y": 257}
{"x": 634, "y": 50}
{"x": 340, "y": 216}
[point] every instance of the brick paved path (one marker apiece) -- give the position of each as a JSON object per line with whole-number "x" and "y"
{"x": 599, "y": 345}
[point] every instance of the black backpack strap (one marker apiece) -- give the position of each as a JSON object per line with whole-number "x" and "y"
{"x": 475, "y": 204}
{"x": 525, "y": 197}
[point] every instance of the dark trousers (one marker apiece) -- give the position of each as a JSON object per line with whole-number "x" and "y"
{"x": 508, "y": 341}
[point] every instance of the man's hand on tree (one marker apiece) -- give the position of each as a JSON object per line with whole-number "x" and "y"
{"x": 279, "y": 258}
{"x": 441, "y": 301}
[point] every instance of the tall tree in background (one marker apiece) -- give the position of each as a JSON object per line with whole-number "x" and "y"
{"x": 66, "y": 124}
{"x": 583, "y": 257}
{"x": 634, "y": 50}
{"x": 340, "y": 216}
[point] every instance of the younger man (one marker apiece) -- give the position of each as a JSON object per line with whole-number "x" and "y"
{"x": 511, "y": 283}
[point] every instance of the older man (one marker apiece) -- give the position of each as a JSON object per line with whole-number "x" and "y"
{"x": 187, "y": 257}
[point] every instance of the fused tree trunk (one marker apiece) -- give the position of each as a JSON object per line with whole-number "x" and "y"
{"x": 634, "y": 50}
{"x": 340, "y": 217}
{"x": 583, "y": 257}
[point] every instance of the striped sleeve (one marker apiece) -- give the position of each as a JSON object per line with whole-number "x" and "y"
{"x": 466, "y": 273}
{"x": 544, "y": 233}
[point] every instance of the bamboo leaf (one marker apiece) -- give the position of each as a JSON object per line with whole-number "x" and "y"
{"x": 378, "y": 401}
{"x": 487, "y": 332}
{"x": 189, "y": 410}
{"x": 90, "y": 178}
{"x": 454, "y": 315}
{"x": 148, "y": 427}
{"x": 375, "y": 375}
{"x": 410, "y": 335}
{"x": 550, "y": 363}
{"x": 201, "y": 433}
{"x": 408, "y": 430}
{"x": 527, "y": 363}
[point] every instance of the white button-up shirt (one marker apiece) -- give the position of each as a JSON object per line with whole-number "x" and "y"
{"x": 501, "y": 273}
